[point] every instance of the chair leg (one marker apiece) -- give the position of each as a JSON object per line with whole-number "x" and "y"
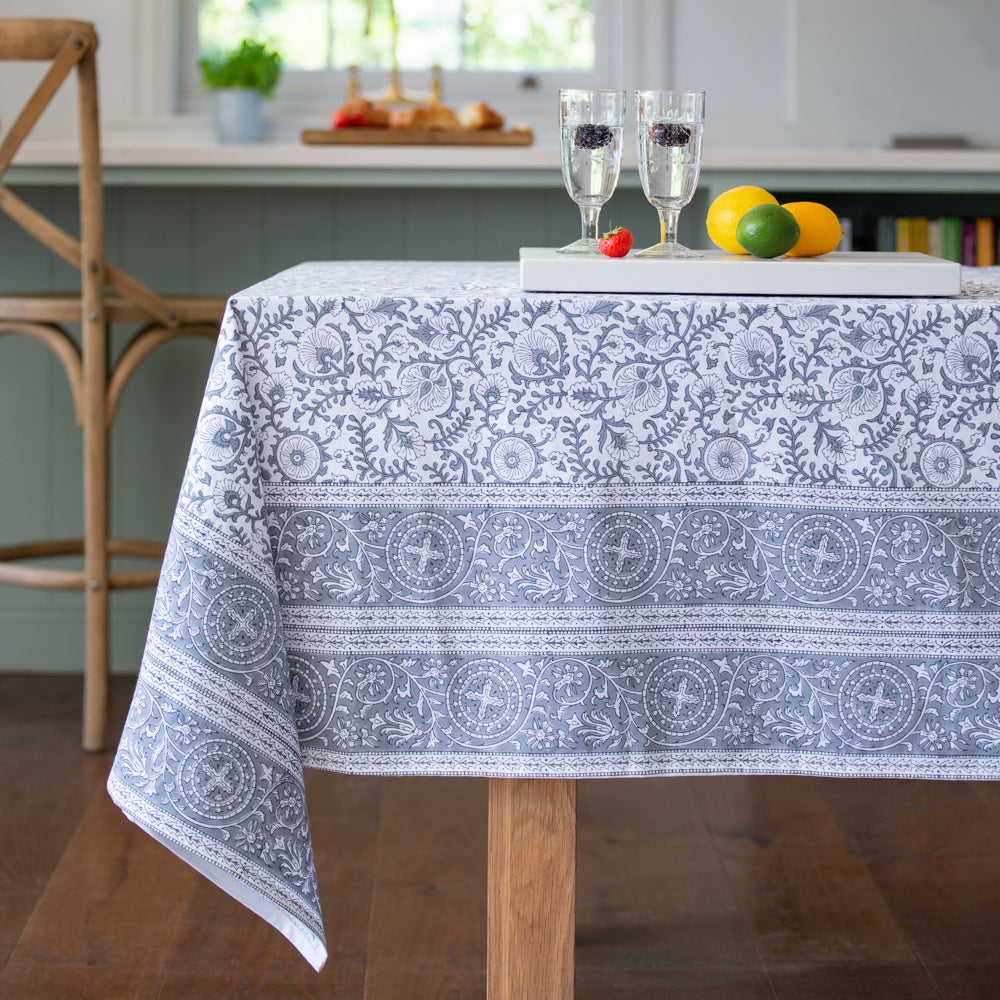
{"x": 96, "y": 663}
{"x": 95, "y": 666}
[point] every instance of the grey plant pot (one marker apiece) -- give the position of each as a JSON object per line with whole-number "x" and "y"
{"x": 236, "y": 113}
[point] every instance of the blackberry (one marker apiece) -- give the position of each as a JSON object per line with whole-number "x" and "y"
{"x": 670, "y": 134}
{"x": 592, "y": 136}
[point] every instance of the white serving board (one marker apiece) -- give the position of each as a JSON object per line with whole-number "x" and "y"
{"x": 720, "y": 273}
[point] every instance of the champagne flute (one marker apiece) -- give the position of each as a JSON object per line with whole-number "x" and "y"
{"x": 591, "y": 123}
{"x": 670, "y": 123}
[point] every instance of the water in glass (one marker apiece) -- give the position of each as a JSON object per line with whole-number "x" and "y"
{"x": 669, "y": 125}
{"x": 591, "y": 123}
{"x": 669, "y": 162}
{"x": 591, "y": 162}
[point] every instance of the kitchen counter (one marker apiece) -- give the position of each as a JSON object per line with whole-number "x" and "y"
{"x": 189, "y": 156}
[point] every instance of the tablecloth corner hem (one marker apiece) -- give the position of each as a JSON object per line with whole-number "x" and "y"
{"x": 311, "y": 946}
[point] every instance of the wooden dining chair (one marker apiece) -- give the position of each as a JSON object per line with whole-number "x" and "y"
{"x": 77, "y": 328}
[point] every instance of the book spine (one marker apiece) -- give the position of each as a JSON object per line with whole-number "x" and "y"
{"x": 918, "y": 234}
{"x": 951, "y": 238}
{"x": 847, "y": 240}
{"x": 968, "y": 243}
{"x": 986, "y": 247}
{"x": 904, "y": 234}
{"x": 885, "y": 234}
{"x": 935, "y": 237}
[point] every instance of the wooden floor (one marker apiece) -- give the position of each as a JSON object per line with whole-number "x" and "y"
{"x": 742, "y": 888}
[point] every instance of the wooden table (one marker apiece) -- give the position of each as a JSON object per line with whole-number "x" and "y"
{"x": 531, "y": 905}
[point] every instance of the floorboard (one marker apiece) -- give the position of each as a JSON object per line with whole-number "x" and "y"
{"x": 427, "y": 929}
{"x": 653, "y": 896}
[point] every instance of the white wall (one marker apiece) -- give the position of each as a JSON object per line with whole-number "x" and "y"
{"x": 841, "y": 72}
{"x": 778, "y": 72}
{"x": 136, "y": 59}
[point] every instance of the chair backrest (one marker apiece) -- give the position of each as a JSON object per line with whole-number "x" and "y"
{"x": 67, "y": 45}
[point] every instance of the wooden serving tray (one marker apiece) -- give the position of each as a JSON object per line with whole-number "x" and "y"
{"x": 417, "y": 137}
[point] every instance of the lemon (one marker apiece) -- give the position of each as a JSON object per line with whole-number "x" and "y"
{"x": 767, "y": 231}
{"x": 820, "y": 227}
{"x": 728, "y": 208}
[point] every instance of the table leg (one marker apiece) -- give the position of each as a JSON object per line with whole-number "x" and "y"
{"x": 531, "y": 894}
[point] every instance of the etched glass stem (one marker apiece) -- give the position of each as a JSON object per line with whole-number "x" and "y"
{"x": 668, "y": 225}
{"x": 588, "y": 222}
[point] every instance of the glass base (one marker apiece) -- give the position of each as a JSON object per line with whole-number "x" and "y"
{"x": 669, "y": 251}
{"x": 581, "y": 247}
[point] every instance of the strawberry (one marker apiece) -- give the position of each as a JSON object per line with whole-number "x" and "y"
{"x": 615, "y": 243}
{"x": 347, "y": 119}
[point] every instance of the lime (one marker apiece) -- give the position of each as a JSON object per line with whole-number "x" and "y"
{"x": 767, "y": 231}
{"x": 728, "y": 208}
{"x": 820, "y": 228}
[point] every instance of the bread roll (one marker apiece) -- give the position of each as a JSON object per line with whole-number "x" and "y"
{"x": 426, "y": 117}
{"x": 479, "y": 116}
{"x": 376, "y": 116}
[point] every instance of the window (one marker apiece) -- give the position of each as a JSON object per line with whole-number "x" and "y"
{"x": 513, "y": 53}
{"x": 516, "y": 35}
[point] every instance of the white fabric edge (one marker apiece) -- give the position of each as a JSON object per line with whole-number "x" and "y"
{"x": 676, "y": 763}
{"x": 312, "y": 948}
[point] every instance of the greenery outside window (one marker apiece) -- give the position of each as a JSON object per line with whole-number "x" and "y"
{"x": 512, "y": 53}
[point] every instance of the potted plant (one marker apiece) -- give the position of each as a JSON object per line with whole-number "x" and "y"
{"x": 238, "y": 82}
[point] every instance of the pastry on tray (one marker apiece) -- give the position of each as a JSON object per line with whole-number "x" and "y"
{"x": 425, "y": 117}
{"x": 358, "y": 112}
{"x": 479, "y": 116}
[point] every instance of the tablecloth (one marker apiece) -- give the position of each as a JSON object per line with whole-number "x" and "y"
{"x": 432, "y": 524}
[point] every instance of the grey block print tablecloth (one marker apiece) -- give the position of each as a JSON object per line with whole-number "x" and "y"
{"x": 432, "y": 524}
